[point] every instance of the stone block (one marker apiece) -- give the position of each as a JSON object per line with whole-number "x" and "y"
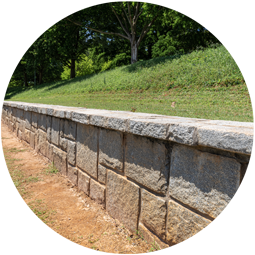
{"x": 86, "y": 157}
{"x": 101, "y": 174}
{"x": 204, "y": 181}
{"x": 35, "y": 119}
{"x": 111, "y": 147}
{"x": 63, "y": 143}
{"x": 72, "y": 174}
{"x": 83, "y": 182}
{"x": 55, "y": 131}
{"x": 151, "y": 238}
{"x": 19, "y": 115}
{"x": 42, "y": 142}
{"x": 27, "y": 135}
{"x": 190, "y": 233}
{"x": 20, "y": 134}
{"x": 71, "y": 152}
{"x": 147, "y": 162}
{"x": 28, "y": 120}
{"x": 153, "y": 213}
{"x": 42, "y": 123}
{"x": 70, "y": 129}
{"x": 32, "y": 139}
{"x": 49, "y": 151}
{"x": 59, "y": 160}
{"x": 61, "y": 127}
{"x": 97, "y": 192}
{"x": 248, "y": 221}
{"x": 80, "y": 117}
{"x": 48, "y": 124}
{"x": 122, "y": 200}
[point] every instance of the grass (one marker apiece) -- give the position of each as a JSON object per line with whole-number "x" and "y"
{"x": 22, "y": 226}
{"x": 203, "y": 84}
{"x": 51, "y": 169}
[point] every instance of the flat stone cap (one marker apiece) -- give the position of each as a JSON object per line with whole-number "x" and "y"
{"x": 231, "y": 136}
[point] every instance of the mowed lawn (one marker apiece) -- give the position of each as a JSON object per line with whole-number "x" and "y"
{"x": 204, "y": 84}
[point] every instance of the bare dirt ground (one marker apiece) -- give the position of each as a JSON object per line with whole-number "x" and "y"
{"x": 60, "y": 205}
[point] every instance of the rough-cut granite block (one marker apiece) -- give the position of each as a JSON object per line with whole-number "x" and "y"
{"x": 83, "y": 182}
{"x": 59, "y": 160}
{"x": 42, "y": 123}
{"x": 248, "y": 221}
{"x": 87, "y": 148}
{"x": 28, "y": 120}
{"x": 70, "y": 129}
{"x": 192, "y": 234}
{"x": 71, "y": 152}
{"x": 72, "y": 174}
{"x": 35, "y": 119}
{"x": 204, "y": 181}
{"x": 48, "y": 121}
{"x": 80, "y": 117}
{"x": 122, "y": 200}
{"x": 32, "y": 139}
{"x": 153, "y": 213}
{"x": 19, "y": 115}
{"x": 49, "y": 151}
{"x": 101, "y": 174}
{"x": 61, "y": 127}
{"x": 97, "y": 192}
{"x": 147, "y": 162}
{"x": 63, "y": 143}
{"x": 111, "y": 149}
{"x": 226, "y": 138}
{"x": 42, "y": 142}
{"x": 55, "y": 130}
{"x": 27, "y": 135}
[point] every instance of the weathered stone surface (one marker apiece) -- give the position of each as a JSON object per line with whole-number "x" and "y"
{"x": 42, "y": 123}
{"x": 55, "y": 131}
{"x": 61, "y": 127}
{"x": 42, "y": 142}
{"x": 147, "y": 162}
{"x": 27, "y": 135}
{"x": 97, "y": 192}
{"x": 80, "y": 117}
{"x": 111, "y": 149}
{"x": 248, "y": 221}
{"x": 20, "y": 134}
{"x": 63, "y": 143}
{"x": 190, "y": 233}
{"x": 151, "y": 238}
{"x": 153, "y": 213}
{"x": 202, "y": 180}
{"x": 48, "y": 123}
{"x": 35, "y": 119}
{"x": 72, "y": 174}
{"x": 101, "y": 174}
{"x": 59, "y": 160}
{"x": 32, "y": 139}
{"x": 49, "y": 151}
{"x": 226, "y": 138}
{"x": 87, "y": 148}
{"x": 28, "y": 120}
{"x": 19, "y": 114}
{"x": 122, "y": 200}
{"x": 71, "y": 152}
{"x": 83, "y": 182}
{"x": 70, "y": 129}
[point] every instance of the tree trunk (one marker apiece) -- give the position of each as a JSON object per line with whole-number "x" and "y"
{"x": 134, "y": 53}
{"x": 72, "y": 69}
{"x": 25, "y": 79}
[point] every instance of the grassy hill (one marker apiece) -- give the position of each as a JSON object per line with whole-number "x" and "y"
{"x": 203, "y": 84}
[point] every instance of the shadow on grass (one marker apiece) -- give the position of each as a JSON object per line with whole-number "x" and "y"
{"x": 150, "y": 63}
{"x": 12, "y": 91}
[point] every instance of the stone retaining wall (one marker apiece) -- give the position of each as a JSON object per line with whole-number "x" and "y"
{"x": 165, "y": 177}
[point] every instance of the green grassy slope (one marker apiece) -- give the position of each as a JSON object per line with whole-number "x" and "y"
{"x": 202, "y": 84}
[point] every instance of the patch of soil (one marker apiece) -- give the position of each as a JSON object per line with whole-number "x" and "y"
{"x": 66, "y": 210}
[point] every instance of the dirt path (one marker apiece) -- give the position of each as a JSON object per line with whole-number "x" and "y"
{"x": 61, "y": 206}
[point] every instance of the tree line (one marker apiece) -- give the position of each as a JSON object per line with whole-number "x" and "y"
{"x": 105, "y": 36}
